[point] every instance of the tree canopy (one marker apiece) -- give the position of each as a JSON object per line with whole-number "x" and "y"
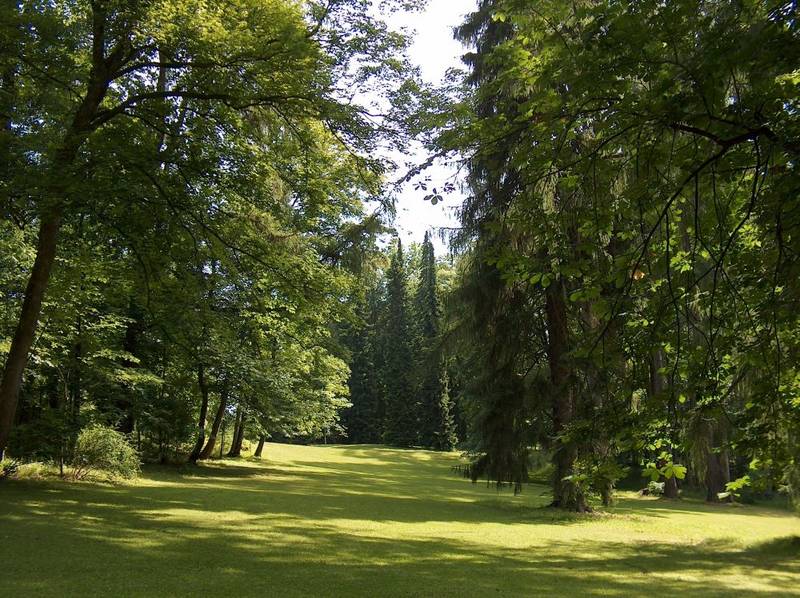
{"x": 196, "y": 206}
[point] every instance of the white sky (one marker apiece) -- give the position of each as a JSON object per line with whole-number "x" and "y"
{"x": 435, "y": 51}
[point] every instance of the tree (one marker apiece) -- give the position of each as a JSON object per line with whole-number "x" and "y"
{"x": 597, "y": 172}
{"x": 436, "y": 421}
{"x": 364, "y": 420}
{"x": 401, "y": 402}
{"x": 180, "y": 136}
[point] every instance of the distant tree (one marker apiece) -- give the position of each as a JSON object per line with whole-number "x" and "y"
{"x": 365, "y": 420}
{"x": 436, "y": 426}
{"x": 402, "y": 407}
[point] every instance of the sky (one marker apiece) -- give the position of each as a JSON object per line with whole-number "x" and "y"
{"x": 434, "y": 50}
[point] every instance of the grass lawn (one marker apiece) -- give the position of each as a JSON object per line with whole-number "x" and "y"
{"x": 372, "y": 521}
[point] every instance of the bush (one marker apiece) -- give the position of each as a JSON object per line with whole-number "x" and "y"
{"x": 654, "y": 489}
{"x": 36, "y": 471}
{"x": 8, "y": 469}
{"x": 101, "y": 448}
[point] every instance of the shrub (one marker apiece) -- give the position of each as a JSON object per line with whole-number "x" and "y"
{"x": 101, "y": 448}
{"x": 36, "y": 471}
{"x": 655, "y": 489}
{"x": 8, "y": 469}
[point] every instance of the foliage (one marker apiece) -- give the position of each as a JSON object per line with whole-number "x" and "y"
{"x": 655, "y": 488}
{"x": 192, "y": 202}
{"x": 402, "y": 405}
{"x": 8, "y": 468}
{"x": 628, "y": 254}
{"x": 435, "y": 417}
{"x": 204, "y": 180}
{"x": 399, "y": 384}
{"x": 104, "y": 449}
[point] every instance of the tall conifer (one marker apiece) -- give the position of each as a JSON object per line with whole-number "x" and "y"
{"x": 436, "y": 421}
{"x": 401, "y": 404}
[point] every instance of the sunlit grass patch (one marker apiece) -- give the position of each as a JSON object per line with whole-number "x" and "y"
{"x": 372, "y": 521}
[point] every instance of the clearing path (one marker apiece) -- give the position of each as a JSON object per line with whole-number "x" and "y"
{"x": 373, "y": 521}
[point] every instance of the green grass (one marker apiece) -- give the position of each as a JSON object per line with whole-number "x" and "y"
{"x": 371, "y": 521}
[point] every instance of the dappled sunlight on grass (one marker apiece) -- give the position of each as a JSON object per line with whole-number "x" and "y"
{"x": 374, "y": 521}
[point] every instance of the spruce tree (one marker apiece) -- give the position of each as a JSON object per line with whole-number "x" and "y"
{"x": 490, "y": 325}
{"x": 401, "y": 406}
{"x": 364, "y": 419}
{"x": 436, "y": 421}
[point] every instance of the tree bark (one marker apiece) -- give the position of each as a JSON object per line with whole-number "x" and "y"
{"x": 657, "y": 382}
{"x": 76, "y": 390}
{"x": 565, "y": 494}
{"x": 236, "y": 430}
{"x": 598, "y": 379}
{"x": 236, "y": 447}
{"x": 220, "y": 415}
{"x": 201, "y": 424}
{"x": 671, "y": 488}
{"x": 260, "y": 447}
{"x": 28, "y": 320}
{"x": 222, "y": 440}
{"x": 658, "y": 385}
{"x": 718, "y": 471}
{"x": 130, "y": 344}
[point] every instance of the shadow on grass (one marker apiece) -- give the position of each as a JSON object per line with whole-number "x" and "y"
{"x": 308, "y": 528}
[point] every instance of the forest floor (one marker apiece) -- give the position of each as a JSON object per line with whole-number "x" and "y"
{"x": 373, "y": 521}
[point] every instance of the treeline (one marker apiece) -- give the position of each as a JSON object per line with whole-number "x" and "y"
{"x": 183, "y": 221}
{"x": 399, "y": 387}
{"x": 185, "y": 246}
{"x": 629, "y": 288}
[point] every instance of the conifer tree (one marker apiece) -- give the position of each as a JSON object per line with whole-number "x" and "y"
{"x": 401, "y": 404}
{"x": 364, "y": 420}
{"x": 496, "y": 347}
{"x": 436, "y": 421}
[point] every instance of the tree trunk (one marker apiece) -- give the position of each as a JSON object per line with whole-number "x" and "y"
{"x": 236, "y": 448}
{"x": 236, "y": 430}
{"x": 565, "y": 494}
{"x": 130, "y": 344}
{"x": 718, "y": 470}
{"x": 201, "y": 424}
{"x": 671, "y": 488}
{"x": 598, "y": 379}
{"x": 657, "y": 382}
{"x": 220, "y": 415}
{"x": 28, "y": 320}
{"x": 717, "y": 475}
{"x": 657, "y": 387}
{"x": 260, "y": 447}
{"x": 50, "y": 223}
{"x": 76, "y": 388}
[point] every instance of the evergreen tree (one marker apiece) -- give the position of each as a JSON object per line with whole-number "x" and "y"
{"x": 401, "y": 404}
{"x": 490, "y": 314}
{"x": 436, "y": 421}
{"x": 364, "y": 420}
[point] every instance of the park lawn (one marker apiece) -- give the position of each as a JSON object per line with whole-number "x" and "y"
{"x": 373, "y": 521}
